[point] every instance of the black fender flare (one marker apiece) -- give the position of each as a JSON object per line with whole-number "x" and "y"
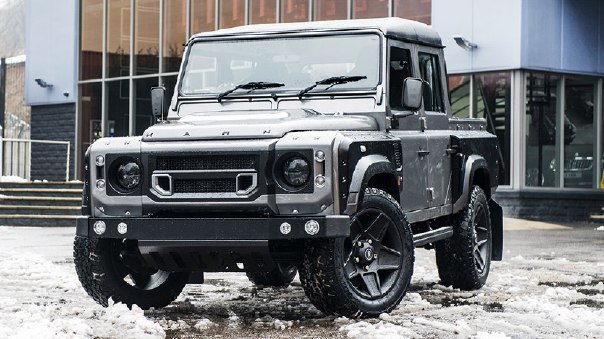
{"x": 473, "y": 163}
{"x": 366, "y": 168}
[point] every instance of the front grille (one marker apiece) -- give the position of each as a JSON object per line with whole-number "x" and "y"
{"x": 204, "y": 186}
{"x": 207, "y": 162}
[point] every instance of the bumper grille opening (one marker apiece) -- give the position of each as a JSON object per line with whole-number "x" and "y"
{"x": 205, "y": 186}
{"x": 209, "y": 162}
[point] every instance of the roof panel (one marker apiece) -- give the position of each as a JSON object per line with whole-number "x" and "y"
{"x": 396, "y": 27}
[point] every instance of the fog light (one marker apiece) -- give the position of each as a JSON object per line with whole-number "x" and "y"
{"x": 320, "y": 181}
{"x": 100, "y": 160}
{"x": 100, "y": 184}
{"x": 285, "y": 228}
{"x": 311, "y": 227}
{"x": 122, "y": 228}
{"x": 99, "y": 227}
{"x": 320, "y": 156}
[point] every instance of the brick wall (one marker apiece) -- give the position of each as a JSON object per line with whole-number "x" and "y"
{"x": 52, "y": 122}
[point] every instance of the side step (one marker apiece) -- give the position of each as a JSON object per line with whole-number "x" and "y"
{"x": 426, "y": 238}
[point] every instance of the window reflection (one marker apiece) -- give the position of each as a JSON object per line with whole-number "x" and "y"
{"x": 146, "y": 32}
{"x": 263, "y": 11}
{"x": 459, "y": 90}
{"x": 232, "y": 13}
{"x": 331, "y": 9}
{"x": 175, "y": 33}
{"x": 366, "y": 9}
{"x": 493, "y": 103}
{"x": 579, "y": 134}
{"x": 542, "y": 109}
{"x": 91, "y": 58}
{"x": 118, "y": 38}
{"x": 90, "y": 113}
{"x": 203, "y": 16}
{"x": 118, "y": 93}
{"x": 142, "y": 104}
{"x": 294, "y": 10}
{"x": 418, "y": 10}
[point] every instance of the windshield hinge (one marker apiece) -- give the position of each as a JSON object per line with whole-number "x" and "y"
{"x": 379, "y": 95}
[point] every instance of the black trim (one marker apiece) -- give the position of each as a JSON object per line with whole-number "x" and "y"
{"x": 214, "y": 229}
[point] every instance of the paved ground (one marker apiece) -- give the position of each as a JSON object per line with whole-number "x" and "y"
{"x": 551, "y": 284}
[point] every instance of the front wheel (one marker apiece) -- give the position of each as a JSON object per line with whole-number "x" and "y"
{"x": 112, "y": 268}
{"x": 464, "y": 260}
{"x": 367, "y": 273}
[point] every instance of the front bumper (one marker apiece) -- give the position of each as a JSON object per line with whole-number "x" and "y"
{"x": 214, "y": 229}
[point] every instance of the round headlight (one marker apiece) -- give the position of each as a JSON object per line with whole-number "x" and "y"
{"x": 296, "y": 171}
{"x": 128, "y": 175}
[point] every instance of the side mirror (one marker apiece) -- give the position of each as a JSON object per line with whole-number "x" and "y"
{"x": 158, "y": 102}
{"x": 412, "y": 93}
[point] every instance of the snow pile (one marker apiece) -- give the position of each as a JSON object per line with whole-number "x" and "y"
{"x": 40, "y": 299}
{"x": 12, "y": 178}
{"x": 601, "y": 228}
{"x": 364, "y": 329}
{"x": 490, "y": 335}
{"x": 203, "y": 324}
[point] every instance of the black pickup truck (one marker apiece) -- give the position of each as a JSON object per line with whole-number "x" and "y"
{"x": 324, "y": 149}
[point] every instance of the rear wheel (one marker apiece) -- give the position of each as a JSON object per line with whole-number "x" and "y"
{"x": 113, "y": 268}
{"x": 282, "y": 275}
{"x": 464, "y": 260}
{"x": 368, "y": 273}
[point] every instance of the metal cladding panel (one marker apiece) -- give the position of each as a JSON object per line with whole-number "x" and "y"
{"x": 51, "y": 48}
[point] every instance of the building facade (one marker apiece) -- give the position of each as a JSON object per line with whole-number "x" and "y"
{"x": 532, "y": 69}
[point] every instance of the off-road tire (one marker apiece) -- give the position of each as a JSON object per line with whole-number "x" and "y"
{"x": 322, "y": 271}
{"x": 455, "y": 257}
{"x": 96, "y": 270}
{"x": 280, "y": 276}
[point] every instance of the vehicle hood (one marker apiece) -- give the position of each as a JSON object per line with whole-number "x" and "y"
{"x": 254, "y": 124}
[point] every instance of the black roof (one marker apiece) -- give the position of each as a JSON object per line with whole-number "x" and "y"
{"x": 402, "y": 29}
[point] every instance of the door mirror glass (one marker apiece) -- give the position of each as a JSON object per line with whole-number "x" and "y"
{"x": 158, "y": 101}
{"x": 412, "y": 93}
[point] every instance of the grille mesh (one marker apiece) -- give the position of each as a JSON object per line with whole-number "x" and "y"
{"x": 209, "y": 162}
{"x": 204, "y": 186}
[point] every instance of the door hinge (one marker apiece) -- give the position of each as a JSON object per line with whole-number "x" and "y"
{"x": 430, "y": 191}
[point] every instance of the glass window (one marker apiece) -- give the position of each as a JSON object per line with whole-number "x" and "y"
{"x": 143, "y": 117}
{"x": 118, "y": 93}
{"x": 418, "y": 10}
{"x": 92, "y": 39}
{"x": 263, "y": 11}
{"x": 400, "y": 69}
{"x": 216, "y": 66}
{"x": 203, "y": 16}
{"x": 459, "y": 91}
{"x": 146, "y": 37}
{"x": 493, "y": 91}
{"x": 90, "y": 110}
{"x": 579, "y": 133}
{"x": 602, "y": 139}
{"x": 294, "y": 10}
{"x": 542, "y": 109}
{"x": 430, "y": 73}
{"x": 118, "y": 38}
{"x": 366, "y": 9}
{"x": 175, "y": 33}
{"x": 232, "y": 13}
{"x": 331, "y": 9}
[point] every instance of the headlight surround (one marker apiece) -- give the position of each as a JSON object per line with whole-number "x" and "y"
{"x": 296, "y": 171}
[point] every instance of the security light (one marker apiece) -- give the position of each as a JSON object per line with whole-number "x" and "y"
{"x": 464, "y": 43}
{"x": 43, "y": 83}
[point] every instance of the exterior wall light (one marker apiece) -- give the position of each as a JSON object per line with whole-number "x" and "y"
{"x": 464, "y": 43}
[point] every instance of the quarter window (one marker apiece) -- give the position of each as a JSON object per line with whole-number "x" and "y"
{"x": 430, "y": 73}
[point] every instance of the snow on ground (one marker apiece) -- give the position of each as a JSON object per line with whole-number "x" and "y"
{"x": 543, "y": 296}
{"x": 12, "y": 178}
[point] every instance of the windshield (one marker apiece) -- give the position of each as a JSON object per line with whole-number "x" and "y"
{"x": 217, "y": 66}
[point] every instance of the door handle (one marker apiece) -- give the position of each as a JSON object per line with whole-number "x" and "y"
{"x": 422, "y": 153}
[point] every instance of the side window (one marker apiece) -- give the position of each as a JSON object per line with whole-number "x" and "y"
{"x": 400, "y": 68}
{"x": 430, "y": 73}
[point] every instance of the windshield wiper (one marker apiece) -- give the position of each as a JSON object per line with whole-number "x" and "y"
{"x": 251, "y": 86}
{"x": 332, "y": 81}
